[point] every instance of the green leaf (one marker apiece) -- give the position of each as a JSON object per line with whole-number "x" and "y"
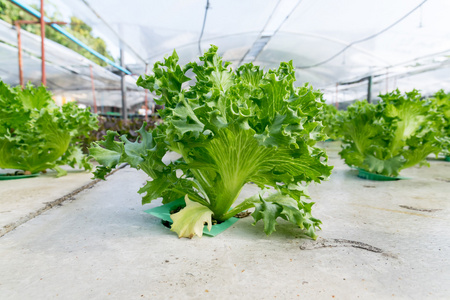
{"x": 154, "y": 189}
{"x": 60, "y": 171}
{"x": 418, "y": 155}
{"x": 388, "y": 167}
{"x": 74, "y": 156}
{"x": 268, "y": 212}
{"x": 35, "y": 99}
{"x": 296, "y": 212}
{"x": 108, "y": 152}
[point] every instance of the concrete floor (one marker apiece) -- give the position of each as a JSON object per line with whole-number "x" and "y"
{"x": 23, "y": 199}
{"x": 379, "y": 240}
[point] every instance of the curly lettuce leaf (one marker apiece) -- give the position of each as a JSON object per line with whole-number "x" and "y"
{"x": 330, "y": 117}
{"x": 441, "y": 105}
{"x": 277, "y": 205}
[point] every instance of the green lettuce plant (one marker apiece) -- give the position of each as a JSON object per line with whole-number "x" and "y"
{"x": 230, "y": 128}
{"x": 385, "y": 138}
{"x": 441, "y": 103}
{"x": 330, "y": 117}
{"x": 36, "y": 134}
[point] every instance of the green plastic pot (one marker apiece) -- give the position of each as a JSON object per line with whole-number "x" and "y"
{"x": 163, "y": 212}
{"x": 378, "y": 177}
{"x": 6, "y": 176}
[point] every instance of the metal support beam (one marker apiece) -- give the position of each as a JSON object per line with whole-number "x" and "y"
{"x": 58, "y": 28}
{"x": 19, "y": 45}
{"x": 387, "y": 80}
{"x": 123, "y": 87}
{"x": 337, "y": 101}
{"x": 146, "y": 97}
{"x": 369, "y": 89}
{"x": 93, "y": 89}
{"x": 44, "y": 77}
{"x": 19, "y": 48}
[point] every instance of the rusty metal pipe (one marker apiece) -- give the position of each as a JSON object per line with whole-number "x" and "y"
{"x": 19, "y": 48}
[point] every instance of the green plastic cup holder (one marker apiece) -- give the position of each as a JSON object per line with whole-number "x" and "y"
{"x": 378, "y": 177}
{"x": 163, "y": 212}
{"x": 11, "y": 176}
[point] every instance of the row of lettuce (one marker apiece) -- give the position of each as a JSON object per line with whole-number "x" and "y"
{"x": 36, "y": 134}
{"x": 229, "y": 127}
{"x": 396, "y": 133}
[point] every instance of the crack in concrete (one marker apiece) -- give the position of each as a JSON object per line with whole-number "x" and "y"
{"x": 443, "y": 179}
{"x": 58, "y": 202}
{"x": 419, "y": 209}
{"x": 331, "y": 243}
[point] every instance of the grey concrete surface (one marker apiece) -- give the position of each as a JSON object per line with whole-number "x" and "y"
{"x": 23, "y": 199}
{"x": 379, "y": 240}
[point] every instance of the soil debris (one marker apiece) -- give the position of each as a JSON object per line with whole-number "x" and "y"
{"x": 242, "y": 214}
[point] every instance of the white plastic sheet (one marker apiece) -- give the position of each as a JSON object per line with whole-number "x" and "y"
{"x": 400, "y": 43}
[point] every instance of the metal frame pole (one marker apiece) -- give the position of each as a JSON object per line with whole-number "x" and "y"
{"x": 19, "y": 48}
{"x": 44, "y": 78}
{"x": 369, "y": 89}
{"x": 387, "y": 80}
{"x": 123, "y": 87}
{"x": 93, "y": 89}
{"x": 146, "y": 97}
{"x": 336, "y": 104}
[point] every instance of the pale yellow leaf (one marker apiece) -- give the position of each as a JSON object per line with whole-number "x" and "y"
{"x": 190, "y": 220}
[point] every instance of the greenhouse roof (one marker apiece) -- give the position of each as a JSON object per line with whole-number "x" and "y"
{"x": 68, "y": 73}
{"x": 334, "y": 45}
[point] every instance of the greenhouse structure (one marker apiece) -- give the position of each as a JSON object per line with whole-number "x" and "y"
{"x": 207, "y": 149}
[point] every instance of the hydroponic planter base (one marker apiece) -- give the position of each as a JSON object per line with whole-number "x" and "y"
{"x": 6, "y": 176}
{"x": 378, "y": 177}
{"x": 163, "y": 212}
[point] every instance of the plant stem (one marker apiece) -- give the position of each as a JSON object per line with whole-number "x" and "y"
{"x": 246, "y": 204}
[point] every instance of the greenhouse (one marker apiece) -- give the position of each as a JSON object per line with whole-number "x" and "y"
{"x": 205, "y": 149}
